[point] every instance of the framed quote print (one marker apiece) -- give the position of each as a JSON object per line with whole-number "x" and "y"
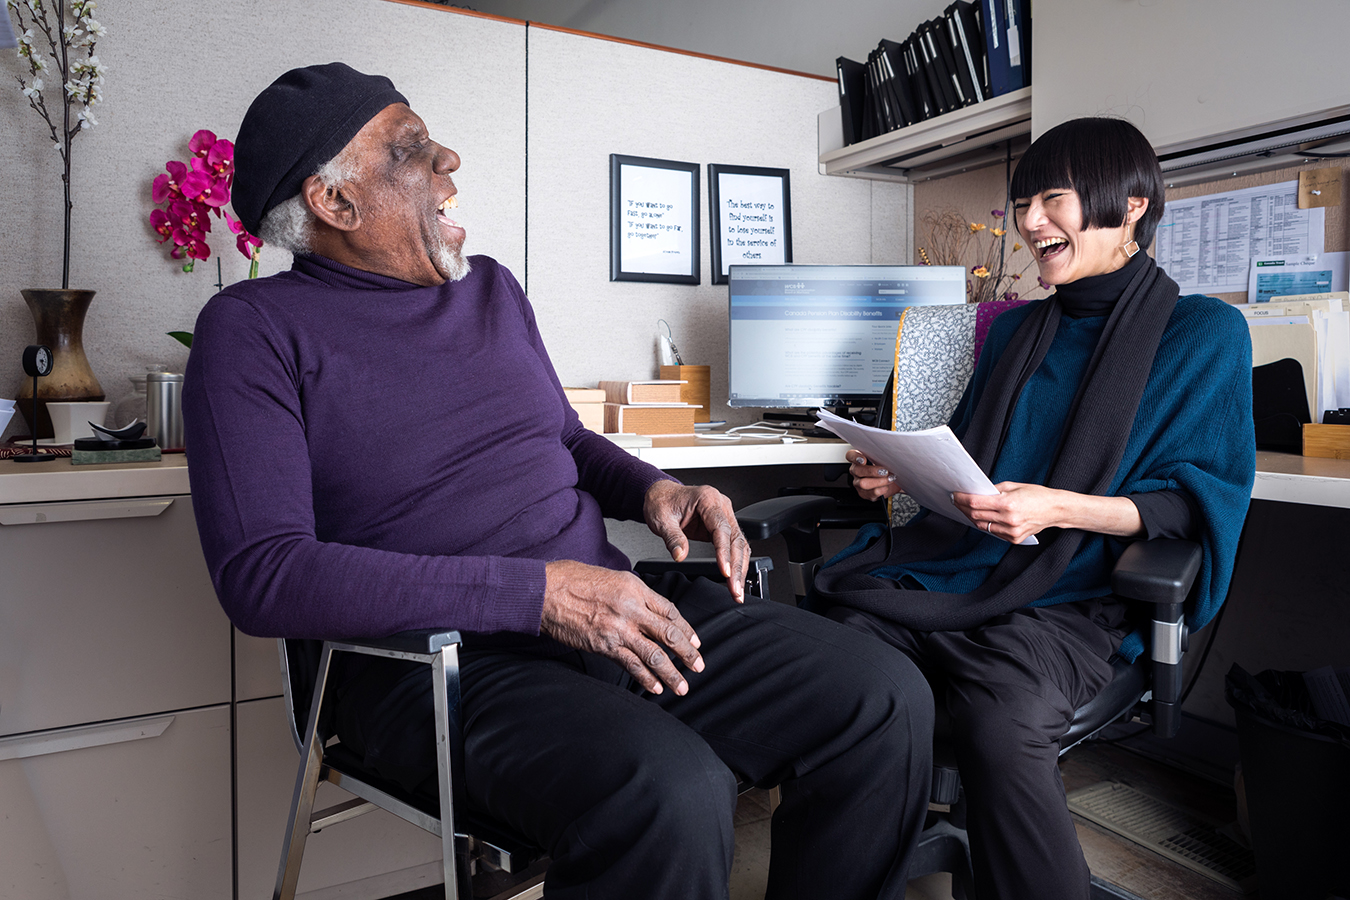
{"x": 750, "y": 210}
{"x": 653, "y": 220}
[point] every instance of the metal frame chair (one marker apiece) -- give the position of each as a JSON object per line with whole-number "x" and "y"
{"x": 466, "y": 842}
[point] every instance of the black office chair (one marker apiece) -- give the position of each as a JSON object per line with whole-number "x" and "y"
{"x": 1161, "y": 572}
{"x": 470, "y": 844}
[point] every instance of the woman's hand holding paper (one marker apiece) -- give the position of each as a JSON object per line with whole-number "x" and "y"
{"x": 1019, "y": 511}
{"x": 871, "y": 482}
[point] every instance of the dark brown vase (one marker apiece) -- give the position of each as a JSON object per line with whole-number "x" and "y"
{"x": 59, "y": 317}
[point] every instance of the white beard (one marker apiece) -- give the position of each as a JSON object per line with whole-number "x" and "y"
{"x": 451, "y": 262}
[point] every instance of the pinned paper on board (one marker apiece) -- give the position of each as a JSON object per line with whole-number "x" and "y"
{"x": 1207, "y": 243}
{"x": 1319, "y": 187}
{"x": 1312, "y": 273}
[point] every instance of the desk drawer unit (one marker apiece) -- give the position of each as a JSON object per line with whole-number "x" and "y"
{"x": 108, "y": 613}
{"x": 124, "y": 810}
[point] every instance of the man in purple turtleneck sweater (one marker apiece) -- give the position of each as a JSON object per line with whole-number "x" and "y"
{"x": 379, "y": 443}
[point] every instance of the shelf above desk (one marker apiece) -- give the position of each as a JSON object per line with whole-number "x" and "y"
{"x": 966, "y": 138}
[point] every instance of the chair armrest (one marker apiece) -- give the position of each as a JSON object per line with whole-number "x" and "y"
{"x": 766, "y": 518}
{"x": 649, "y": 570}
{"x": 1161, "y": 572}
{"x": 428, "y": 640}
{"x": 1157, "y": 571}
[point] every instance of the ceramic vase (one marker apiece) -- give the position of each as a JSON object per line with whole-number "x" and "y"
{"x": 59, "y": 319}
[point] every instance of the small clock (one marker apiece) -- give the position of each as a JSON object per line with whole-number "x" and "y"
{"x": 37, "y": 360}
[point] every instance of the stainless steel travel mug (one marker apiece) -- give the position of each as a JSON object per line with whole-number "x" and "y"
{"x": 164, "y": 409}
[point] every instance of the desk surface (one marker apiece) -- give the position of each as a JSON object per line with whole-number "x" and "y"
{"x": 1282, "y": 477}
{"x": 694, "y": 452}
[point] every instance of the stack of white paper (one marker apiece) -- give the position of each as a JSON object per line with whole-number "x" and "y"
{"x": 930, "y": 465}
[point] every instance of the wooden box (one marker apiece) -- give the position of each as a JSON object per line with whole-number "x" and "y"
{"x": 695, "y": 390}
{"x": 1327, "y": 441}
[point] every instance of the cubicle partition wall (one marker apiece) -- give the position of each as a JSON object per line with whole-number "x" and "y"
{"x": 173, "y": 71}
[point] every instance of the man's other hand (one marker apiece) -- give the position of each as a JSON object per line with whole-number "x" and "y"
{"x": 616, "y": 615}
{"x": 678, "y": 513}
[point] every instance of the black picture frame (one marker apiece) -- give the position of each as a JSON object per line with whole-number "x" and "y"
{"x": 647, "y": 206}
{"x": 748, "y": 226}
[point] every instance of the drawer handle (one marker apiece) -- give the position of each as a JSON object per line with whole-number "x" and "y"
{"x": 78, "y": 737}
{"x": 84, "y": 510}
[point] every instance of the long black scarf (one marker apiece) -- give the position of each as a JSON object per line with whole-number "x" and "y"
{"x": 1090, "y": 451}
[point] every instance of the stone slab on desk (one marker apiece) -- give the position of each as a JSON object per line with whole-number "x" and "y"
{"x": 58, "y": 480}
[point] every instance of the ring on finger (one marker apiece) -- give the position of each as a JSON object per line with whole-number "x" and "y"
{"x": 989, "y": 527}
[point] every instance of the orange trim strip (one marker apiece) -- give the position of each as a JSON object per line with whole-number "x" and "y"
{"x": 605, "y": 37}
{"x": 463, "y": 12}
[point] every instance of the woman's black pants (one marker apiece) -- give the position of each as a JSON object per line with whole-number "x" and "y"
{"x": 1011, "y": 687}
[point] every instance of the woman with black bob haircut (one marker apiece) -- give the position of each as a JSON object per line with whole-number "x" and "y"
{"x": 1114, "y": 410}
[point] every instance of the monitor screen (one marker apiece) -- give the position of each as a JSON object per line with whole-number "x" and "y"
{"x": 810, "y": 336}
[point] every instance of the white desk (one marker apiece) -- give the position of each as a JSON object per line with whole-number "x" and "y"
{"x": 693, "y": 452}
{"x": 1283, "y": 477}
{"x": 1288, "y": 478}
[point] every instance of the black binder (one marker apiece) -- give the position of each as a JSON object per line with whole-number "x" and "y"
{"x": 967, "y": 46}
{"x": 932, "y": 75}
{"x": 871, "y": 113}
{"x": 880, "y": 92}
{"x": 926, "y": 107}
{"x": 850, "y": 79}
{"x": 897, "y": 80}
{"x": 938, "y": 29}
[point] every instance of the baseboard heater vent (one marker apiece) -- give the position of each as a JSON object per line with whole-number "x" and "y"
{"x": 1179, "y": 834}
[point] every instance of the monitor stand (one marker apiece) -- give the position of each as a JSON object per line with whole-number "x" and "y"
{"x": 806, "y": 421}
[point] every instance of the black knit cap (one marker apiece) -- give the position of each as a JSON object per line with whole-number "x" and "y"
{"x": 300, "y": 122}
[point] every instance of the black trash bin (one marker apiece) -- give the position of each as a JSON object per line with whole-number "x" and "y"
{"x": 1296, "y": 769}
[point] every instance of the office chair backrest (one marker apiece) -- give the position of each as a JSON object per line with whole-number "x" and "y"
{"x": 935, "y": 352}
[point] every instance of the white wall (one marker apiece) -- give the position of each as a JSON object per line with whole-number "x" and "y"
{"x": 591, "y": 97}
{"x": 1188, "y": 70}
{"x": 173, "y": 70}
{"x": 466, "y": 75}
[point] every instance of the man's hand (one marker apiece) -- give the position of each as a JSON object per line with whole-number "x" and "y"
{"x": 678, "y": 513}
{"x": 871, "y": 482}
{"x": 616, "y": 615}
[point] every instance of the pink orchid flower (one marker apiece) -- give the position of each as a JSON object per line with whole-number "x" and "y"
{"x": 244, "y": 241}
{"x": 159, "y": 220}
{"x": 201, "y": 143}
{"x": 221, "y": 158}
{"x": 203, "y": 188}
{"x": 169, "y": 186}
{"x": 1042, "y": 282}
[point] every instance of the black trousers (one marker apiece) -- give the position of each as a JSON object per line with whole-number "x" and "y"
{"x": 632, "y": 795}
{"x": 1011, "y": 687}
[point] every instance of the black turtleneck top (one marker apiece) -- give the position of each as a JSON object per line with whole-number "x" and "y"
{"x": 1164, "y": 513}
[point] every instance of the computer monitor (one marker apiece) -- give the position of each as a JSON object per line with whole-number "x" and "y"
{"x": 811, "y": 336}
